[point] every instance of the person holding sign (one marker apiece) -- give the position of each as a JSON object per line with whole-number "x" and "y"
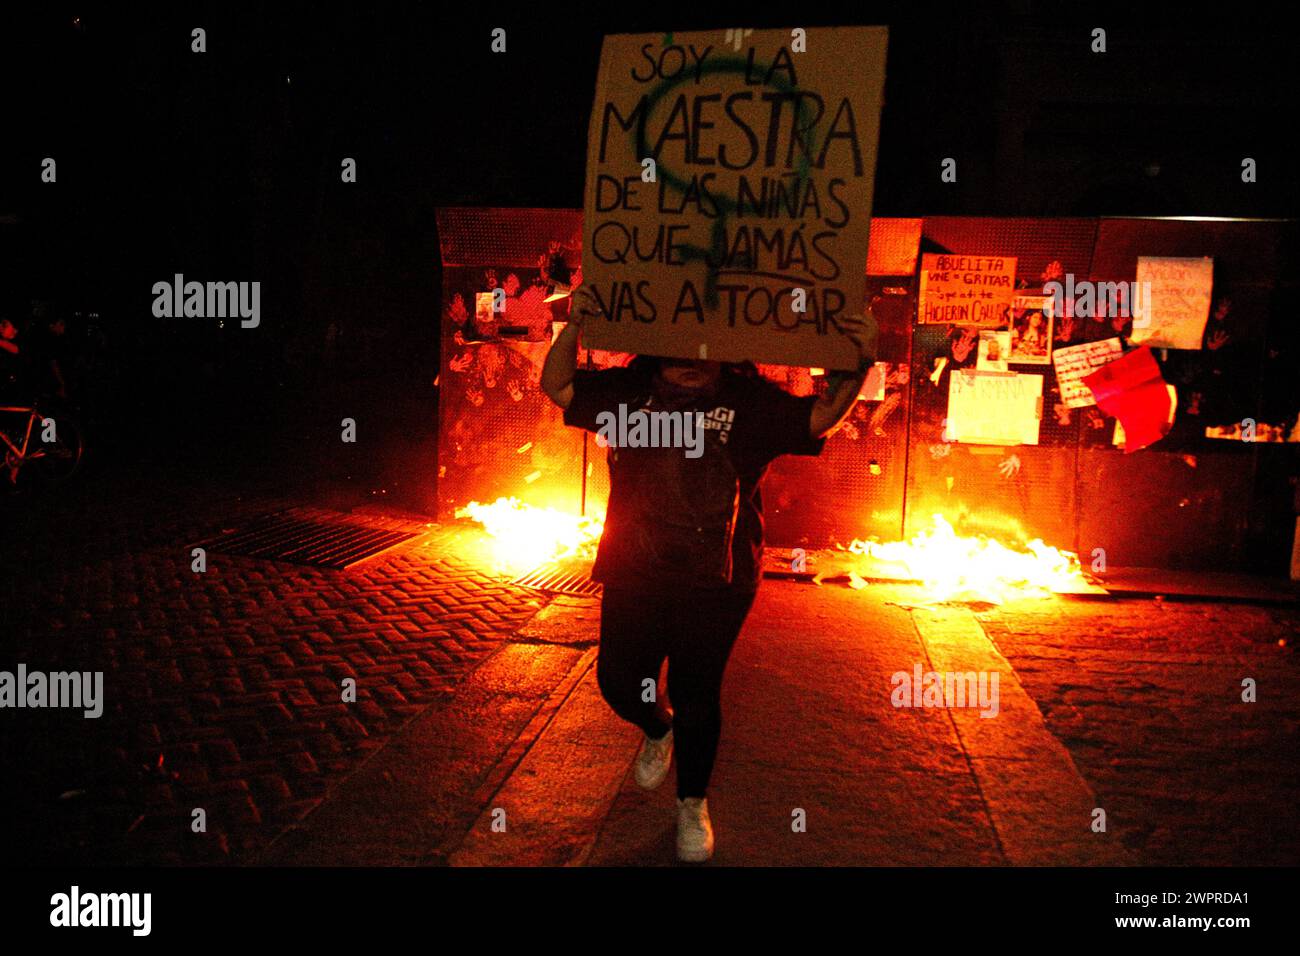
{"x": 681, "y": 555}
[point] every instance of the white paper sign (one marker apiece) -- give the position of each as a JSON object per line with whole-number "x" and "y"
{"x": 1176, "y": 302}
{"x": 994, "y": 408}
{"x": 873, "y": 389}
{"x": 1076, "y": 362}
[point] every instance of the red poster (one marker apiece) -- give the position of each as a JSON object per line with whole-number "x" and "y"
{"x": 1133, "y": 390}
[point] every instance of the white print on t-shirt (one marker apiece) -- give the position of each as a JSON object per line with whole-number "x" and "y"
{"x": 720, "y": 419}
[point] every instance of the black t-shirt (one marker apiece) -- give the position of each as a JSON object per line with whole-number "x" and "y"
{"x": 748, "y": 421}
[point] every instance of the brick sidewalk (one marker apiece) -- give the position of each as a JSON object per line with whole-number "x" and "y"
{"x": 223, "y": 690}
{"x": 1146, "y": 695}
{"x": 1130, "y": 706}
{"x": 224, "y": 693}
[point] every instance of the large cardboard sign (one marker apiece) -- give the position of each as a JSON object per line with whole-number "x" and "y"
{"x": 1177, "y": 303}
{"x": 729, "y": 187}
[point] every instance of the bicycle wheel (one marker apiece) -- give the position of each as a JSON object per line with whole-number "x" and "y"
{"x": 56, "y": 460}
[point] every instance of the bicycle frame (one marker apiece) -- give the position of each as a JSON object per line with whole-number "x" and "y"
{"x": 33, "y": 418}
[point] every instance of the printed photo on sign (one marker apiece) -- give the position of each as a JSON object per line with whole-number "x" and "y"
{"x": 994, "y": 347}
{"x": 1031, "y": 330}
{"x": 483, "y": 316}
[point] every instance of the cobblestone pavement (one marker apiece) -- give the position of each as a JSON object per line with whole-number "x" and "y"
{"x": 1147, "y": 696}
{"x": 224, "y": 693}
{"x": 223, "y": 689}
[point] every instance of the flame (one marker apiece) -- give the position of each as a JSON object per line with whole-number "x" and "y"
{"x": 956, "y": 568}
{"x": 525, "y": 536}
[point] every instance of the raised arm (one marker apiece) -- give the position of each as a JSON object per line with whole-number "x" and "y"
{"x": 834, "y": 405}
{"x": 562, "y": 359}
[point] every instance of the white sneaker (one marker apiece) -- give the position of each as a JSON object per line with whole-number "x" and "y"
{"x": 653, "y": 761}
{"x": 694, "y": 830}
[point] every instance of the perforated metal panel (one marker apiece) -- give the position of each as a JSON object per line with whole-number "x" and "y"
{"x": 499, "y": 435}
{"x": 506, "y": 238}
{"x": 1016, "y": 492}
{"x": 1189, "y": 501}
{"x": 855, "y": 488}
{"x": 892, "y": 247}
{"x": 1036, "y": 243}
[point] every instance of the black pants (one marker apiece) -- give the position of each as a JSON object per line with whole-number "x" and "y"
{"x": 695, "y": 630}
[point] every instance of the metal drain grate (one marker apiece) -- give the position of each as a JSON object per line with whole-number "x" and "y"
{"x": 321, "y": 544}
{"x": 560, "y": 578}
